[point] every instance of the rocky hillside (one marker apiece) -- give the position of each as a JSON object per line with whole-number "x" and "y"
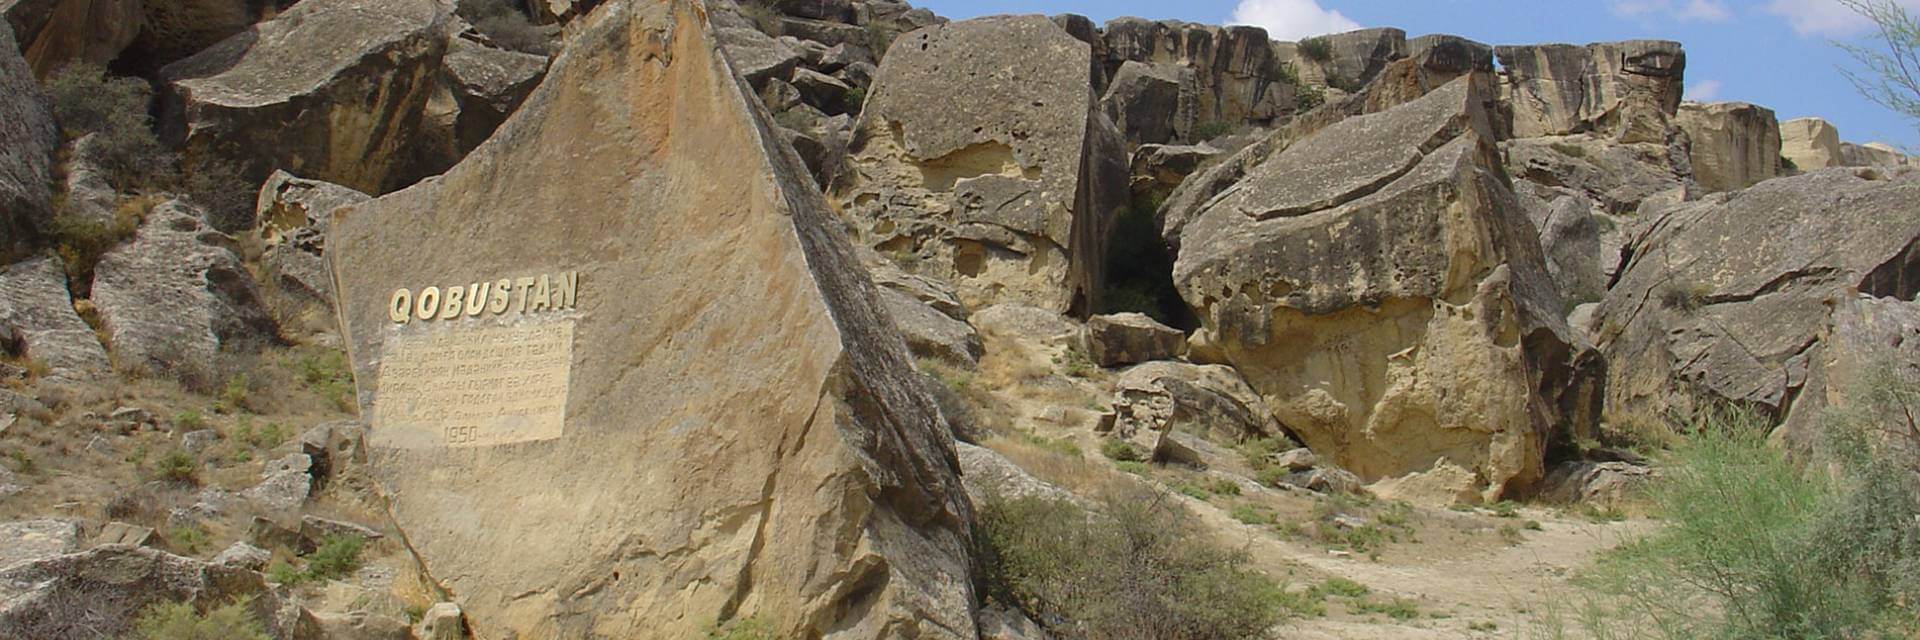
{"x": 684, "y": 318}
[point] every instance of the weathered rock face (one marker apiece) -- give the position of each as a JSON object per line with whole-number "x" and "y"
{"x": 99, "y": 593}
{"x": 332, "y": 90}
{"x": 37, "y": 321}
{"x": 930, "y": 333}
{"x": 293, "y": 213}
{"x": 1625, "y": 91}
{"x": 1401, "y": 81}
{"x": 1618, "y": 177}
{"x": 177, "y": 297}
{"x": 1735, "y": 145}
{"x": 1221, "y": 75}
{"x": 1388, "y": 299}
{"x": 1009, "y": 194}
{"x": 757, "y": 447}
{"x": 1811, "y": 144}
{"x": 1159, "y": 169}
{"x": 1708, "y": 306}
{"x": 1872, "y": 154}
{"x": 488, "y": 84}
{"x": 53, "y": 33}
{"x": 1869, "y": 344}
{"x": 1209, "y": 401}
{"x": 27, "y": 143}
{"x": 1581, "y": 245}
{"x": 1357, "y": 56}
{"x": 1131, "y": 338}
{"x": 176, "y": 29}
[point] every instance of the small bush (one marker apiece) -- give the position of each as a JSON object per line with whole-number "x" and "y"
{"x": 743, "y": 629}
{"x": 86, "y": 100}
{"x": 1307, "y": 98}
{"x": 336, "y": 556}
{"x": 1136, "y": 569}
{"x": 1250, "y": 514}
{"x": 327, "y": 372}
{"x": 1317, "y": 49}
{"x": 188, "y": 539}
{"x": 1506, "y": 509}
{"x": 266, "y": 437}
{"x": 1136, "y": 468}
{"x": 189, "y": 420}
{"x": 1075, "y": 362}
{"x": 1511, "y": 535}
{"x": 234, "y": 394}
{"x": 176, "y": 466}
{"x": 220, "y": 189}
{"x": 1121, "y": 451}
{"x": 1344, "y": 588}
{"x": 180, "y": 621}
{"x": 1397, "y": 608}
{"x": 282, "y": 573}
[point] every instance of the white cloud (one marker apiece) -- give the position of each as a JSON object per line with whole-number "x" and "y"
{"x": 1292, "y": 19}
{"x": 1682, "y": 10}
{"x": 1824, "y": 18}
{"x": 1705, "y": 91}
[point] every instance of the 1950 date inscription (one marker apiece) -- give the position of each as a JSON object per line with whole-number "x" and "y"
{"x": 474, "y": 386}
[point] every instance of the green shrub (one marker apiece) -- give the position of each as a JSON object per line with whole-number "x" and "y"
{"x": 1138, "y": 568}
{"x": 1136, "y": 468}
{"x": 1250, "y": 514}
{"x": 1075, "y": 362}
{"x": 1397, "y": 608}
{"x": 1121, "y": 451}
{"x": 1307, "y": 98}
{"x": 336, "y": 556}
{"x": 189, "y": 420}
{"x": 86, "y": 100}
{"x": 1756, "y": 546}
{"x": 176, "y": 466}
{"x": 1257, "y": 450}
{"x": 180, "y": 621}
{"x": 234, "y": 394}
{"x": 1316, "y": 49}
{"x": 1342, "y": 587}
{"x": 188, "y": 539}
{"x": 743, "y": 629}
{"x": 282, "y": 573}
{"x": 1511, "y": 534}
{"x": 327, "y": 372}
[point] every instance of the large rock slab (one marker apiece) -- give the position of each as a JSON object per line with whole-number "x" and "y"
{"x": 1131, "y": 338}
{"x": 27, "y": 142}
{"x": 1735, "y": 145}
{"x": 37, "y": 321}
{"x": 331, "y": 90}
{"x": 176, "y": 29}
{"x": 1388, "y": 298}
{"x": 1811, "y": 144}
{"x": 55, "y": 33}
{"x": 1209, "y": 401}
{"x": 1869, "y": 345}
{"x": 100, "y": 592}
{"x": 28, "y": 541}
{"x": 293, "y": 213}
{"x": 1222, "y": 76}
{"x": 1723, "y": 297}
{"x": 1627, "y": 91}
{"x": 177, "y": 297}
{"x": 488, "y": 84}
{"x": 1010, "y": 193}
{"x": 715, "y": 419}
{"x": 1618, "y": 177}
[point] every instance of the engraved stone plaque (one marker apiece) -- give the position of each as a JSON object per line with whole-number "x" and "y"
{"x": 473, "y": 386}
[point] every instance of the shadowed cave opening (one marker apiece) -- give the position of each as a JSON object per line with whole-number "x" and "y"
{"x": 1139, "y": 269}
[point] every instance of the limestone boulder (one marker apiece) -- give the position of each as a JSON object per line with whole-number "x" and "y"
{"x": 1597, "y": 483}
{"x": 487, "y": 84}
{"x": 1356, "y": 57}
{"x": 175, "y": 29}
{"x": 1209, "y": 401}
{"x": 759, "y": 57}
{"x": 1159, "y": 169}
{"x": 1581, "y": 244}
{"x": 1810, "y": 144}
{"x": 55, "y": 33}
{"x": 1383, "y": 290}
{"x": 1131, "y": 338}
{"x": 293, "y": 212}
{"x": 332, "y": 90}
{"x": 27, "y": 143}
{"x": 1144, "y": 101}
{"x": 1008, "y": 194}
{"x": 1618, "y": 177}
{"x": 1225, "y": 76}
{"x": 988, "y": 475}
{"x": 1624, "y": 91}
{"x": 930, "y": 333}
{"x": 28, "y": 541}
{"x": 720, "y": 420}
{"x": 1399, "y": 82}
{"x": 90, "y": 197}
{"x": 176, "y": 298}
{"x": 1735, "y": 145}
{"x": 1872, "y": 154}
{"x": 1722, "y": 298}
{"x": 1869, "y": 344}
{"x": 99, "y": 593}
{"x": 37, "y": 321}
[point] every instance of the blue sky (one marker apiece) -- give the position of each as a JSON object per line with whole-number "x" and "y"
{"x": 1774, "y": 53}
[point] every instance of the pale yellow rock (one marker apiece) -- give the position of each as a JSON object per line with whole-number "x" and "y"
{"x": 742, "y": 434}
{"x": 1735, "y": 145}
{"x": 1811, "y": 144}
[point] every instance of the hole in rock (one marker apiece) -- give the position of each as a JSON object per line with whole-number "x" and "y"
{"x": 1140, "y": 269}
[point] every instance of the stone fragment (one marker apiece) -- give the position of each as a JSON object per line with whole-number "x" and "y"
{"x": 989, "y": 474}
{"x": 1599, "y": 483}
{"x": 1356, "y": 57}
{"x": 1131, "y": 338}
{"x": 931, "y": 334}
{"x": 1810, "y": 144}
{"x": 1387, "y": 248}
{"x": 1210, "y": 401}
{"x": 1159, "y": 169}
{"x": 318, "y": 529}
{"x": 488, "y": 84}
{"x": 1710, "y": 307}
{"x": 1225, "y": 76}
{"x": 728, "y": 373}
{"x": 27, "y": 143}
{"x": 1300, "y": 459}
{"x": 284, "y": 484}
{"x": 1619, "y": 177}
{"x": 1007, "y": 194}
{"x": 241, "y": 555}
{"x": 442, "y": 621}
{"x": 1735, "y": 145}
{"x": 292, "y": 214}
{"x": 177, "y": 297}
{"x": 100, "y": 592}
{"x": 196, "y": 442}
{"x": 757, "y": 56}
{"x": 1870, "y": 343}
{"x": 123, "y": 533}
{"x": 37, "y": 322}
{"x": 1144, "y": 101}
{"x": 330, "y": 90}
{"x": 824, "y": 92}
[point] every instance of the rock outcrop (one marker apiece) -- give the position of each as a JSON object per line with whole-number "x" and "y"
{"x": 37, "y": 321}
{"x": 1388, "y": 299}
{"x": 1007, "y": 194}
{"x": 1618, "y": 177}
{"x": 488, "y": 84}
{"x": 293, "y": 213}
{"x": 176, "y": 29}
{"x": 1208, "y": 401}
{"x": 1735, "y": 145}
{"x": 1722, "y": 298}
{"x": 1872, "y": 154}
{"x": 55, "y": 33}
{"x": 177, "y": 297}
{"x": 1869, "y": 344}
{"x": 1131, "y": 338}
{"x": 27, "y": 142}
{"x": 332, "y": 90}
{"x": 737, "y": 433}
{"x": 1169, "y": 78}
{"x": 1810, "y": 144}
{"x": 99, "y": 593}
{"x": 1623, "y": 91}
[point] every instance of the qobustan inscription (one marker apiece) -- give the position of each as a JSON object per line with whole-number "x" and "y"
{"x": 526, "y": 294}
{"x": 474, "y": 386}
